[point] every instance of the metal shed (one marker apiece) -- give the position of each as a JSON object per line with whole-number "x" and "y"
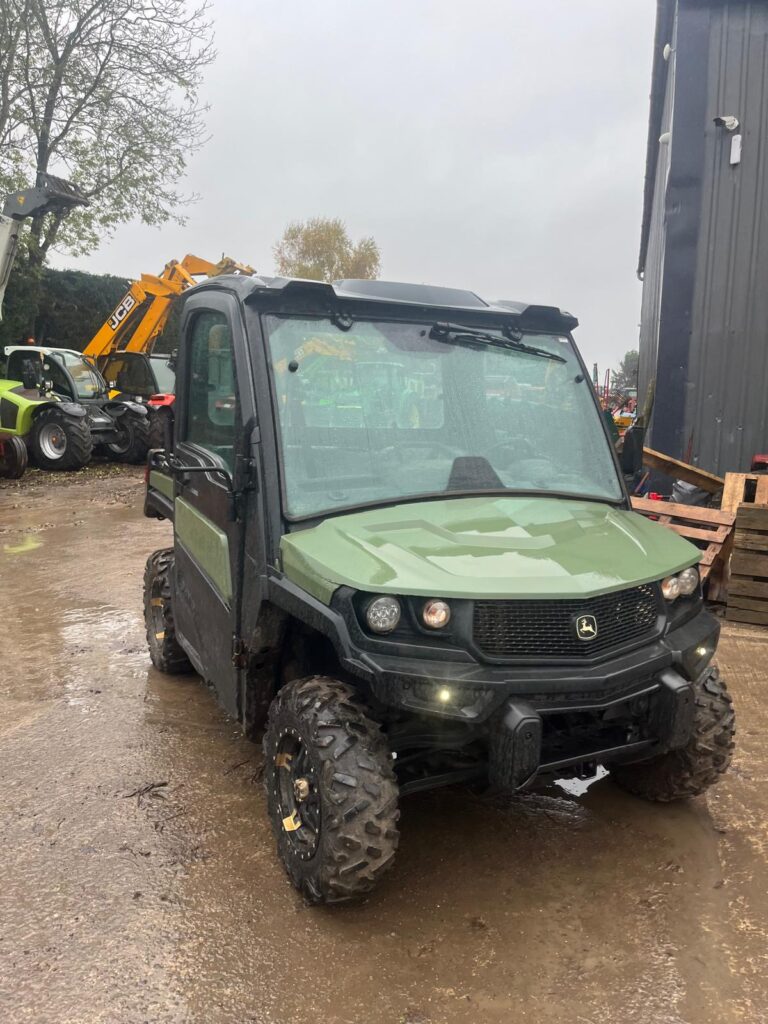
{"x": 704, "y": 241}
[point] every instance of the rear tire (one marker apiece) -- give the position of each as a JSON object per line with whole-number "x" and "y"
{"x": 156, "y": 437}
{"x": 14, "y": 458}
{"x": 166, "y": 652}
{"x": 135, "y": 444}
{"x": 60, "y": 441}
{"x": 692, "y": 769}
{"x": 331, "y": 791}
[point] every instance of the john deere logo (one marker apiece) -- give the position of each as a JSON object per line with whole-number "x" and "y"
{"x": 586, "y": 627}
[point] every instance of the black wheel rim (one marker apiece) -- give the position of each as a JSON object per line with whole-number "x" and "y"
{"x": 124, "y": 439}
{"x": 298, "y": 796}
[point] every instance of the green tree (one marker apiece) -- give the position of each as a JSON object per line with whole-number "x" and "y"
{"x": 66, "y": 308}
{"x": 321, "y": 249}
{"x": 103, "y": 92}
{"x": 626, "y": 375}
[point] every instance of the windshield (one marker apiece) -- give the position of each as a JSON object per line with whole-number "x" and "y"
{"x": 164, "y": 375}
{"x": 87, "y": 381}
{"x": 382, "y": 411}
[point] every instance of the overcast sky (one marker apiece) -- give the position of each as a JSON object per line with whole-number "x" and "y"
{"x": 497, "y": 145}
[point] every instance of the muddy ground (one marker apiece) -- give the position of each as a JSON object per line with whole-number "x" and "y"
{"x": 138, "y": 879}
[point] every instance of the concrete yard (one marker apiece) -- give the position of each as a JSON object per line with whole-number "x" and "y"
{"x": 140, "y": 881}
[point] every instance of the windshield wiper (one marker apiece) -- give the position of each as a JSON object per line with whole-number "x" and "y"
{"x": 457, "y": 332}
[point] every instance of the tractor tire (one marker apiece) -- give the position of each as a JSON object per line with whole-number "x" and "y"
{"x": 14, "y": 458}
{"x": 134, "y": 445}
{"x": 158, "y": 423}
{"x": 689, "y": 771}
{"x": 331, "y": 791}
{"x": 165, "y": 651}
{"x": 60, "y": 441}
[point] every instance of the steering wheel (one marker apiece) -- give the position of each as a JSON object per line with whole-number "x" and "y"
{"x": 522, "y": 447}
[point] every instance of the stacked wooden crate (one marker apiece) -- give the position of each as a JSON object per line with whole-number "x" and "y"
{"x": 748, "y": 584}
{"x": 707, "y": 528}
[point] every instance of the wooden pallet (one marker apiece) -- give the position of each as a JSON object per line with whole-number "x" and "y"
{"x": 738, "y": 489}
{"x": 748, "y": 585}
{"x": 707, "y": 528}
{"x": 744, "y": 487}
{"x": 682, "y": 471}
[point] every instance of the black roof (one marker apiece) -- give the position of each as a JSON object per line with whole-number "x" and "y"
{"x": 425, "y": 297}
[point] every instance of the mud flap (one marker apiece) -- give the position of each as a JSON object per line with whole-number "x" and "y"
{"x": 515, "y": 747}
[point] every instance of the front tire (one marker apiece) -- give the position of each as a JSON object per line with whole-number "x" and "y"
{"x": 134, "y": 440}
{"x": 60, "y": 441}
{"x": 166, "y": 652}
{"x": 331, "y": 791}
{"x": 13, "y": 458}
{"x": 692, "y": 769}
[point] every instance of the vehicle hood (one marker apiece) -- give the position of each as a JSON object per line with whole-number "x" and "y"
{"x": 489, "y": 547}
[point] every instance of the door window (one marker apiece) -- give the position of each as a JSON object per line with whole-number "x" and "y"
{"x": 212, "y": 400}
{"x": 130, "y": 373}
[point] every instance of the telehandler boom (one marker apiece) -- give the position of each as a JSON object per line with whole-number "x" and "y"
{"x": 49, "y": 196}
{"x": 152, "y": 297}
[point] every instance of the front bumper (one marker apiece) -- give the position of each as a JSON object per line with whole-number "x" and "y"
{"x": 552, "y": 721}
{"x": 536, "y": 719}
{"x": 477, "y": 691}
{"x": 525, "y": 743}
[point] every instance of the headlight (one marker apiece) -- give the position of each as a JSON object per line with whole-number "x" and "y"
{"x": 688, "y": 580}
{"x": 383, "y": 614}
{"x": 436, "y": 614}
{"x": 684, "y": 583}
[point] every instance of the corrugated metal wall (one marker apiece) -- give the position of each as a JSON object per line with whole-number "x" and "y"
{"x": 654, "y": 258}
{"x": 726, "y": 416}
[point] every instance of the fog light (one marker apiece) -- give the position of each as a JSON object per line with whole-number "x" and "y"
{"x": 436, "y": 614}
{"x": 670, "y": 588}
{"x": 444, "y": 695}
{"x": 688, "y": 580}
{"x": 383, "y": 614}
{"x": 696, "y": 659}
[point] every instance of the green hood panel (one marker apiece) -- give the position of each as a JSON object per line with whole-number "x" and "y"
{"x": 485, "y": 547}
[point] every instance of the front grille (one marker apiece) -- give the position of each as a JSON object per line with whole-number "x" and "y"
{"x": 547, "y": 628}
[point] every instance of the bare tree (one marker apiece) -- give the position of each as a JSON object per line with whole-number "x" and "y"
{"x": 103, "y": 92}
{"x": 321, "y": 248}
{"x": 13, "y": 17}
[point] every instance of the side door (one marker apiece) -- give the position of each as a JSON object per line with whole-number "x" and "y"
{"x": 212, "y": 405}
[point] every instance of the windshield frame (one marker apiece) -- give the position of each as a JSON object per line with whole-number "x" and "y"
{"x": 424, "y": 317}
{"x": 66, "y": 359}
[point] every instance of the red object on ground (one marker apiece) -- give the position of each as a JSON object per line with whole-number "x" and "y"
{"x": 759, "y": 462}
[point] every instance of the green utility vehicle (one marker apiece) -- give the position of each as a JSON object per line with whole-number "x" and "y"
{"x": 411, "y": 602}
{"x": 119, "y": 427}
{"x": 33, "y": 419}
